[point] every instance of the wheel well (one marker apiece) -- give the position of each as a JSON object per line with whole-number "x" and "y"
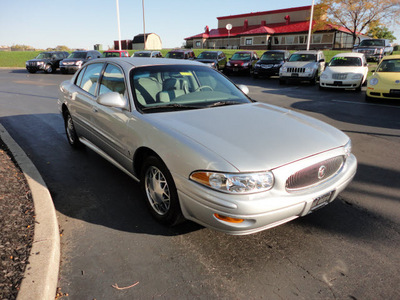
{"x": 140, "y": 156}
{"x": 64, "y": 110}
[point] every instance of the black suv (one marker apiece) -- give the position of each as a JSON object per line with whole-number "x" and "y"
{"x": 270, "y": 63}
{"x": 374, "y": 49}
{"x": 47, "y": 61}
{"x": 215, "y": 59}
{"x": 76, "y": 59}
{"x": 180, "y": 54}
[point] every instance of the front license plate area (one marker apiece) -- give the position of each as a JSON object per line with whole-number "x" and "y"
{"x": 338, "y": 83}
{"x": 321, "y": 201}
{"x": 295, "y": 74}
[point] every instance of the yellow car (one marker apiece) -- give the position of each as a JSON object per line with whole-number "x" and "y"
{"x": 385, "y": 81}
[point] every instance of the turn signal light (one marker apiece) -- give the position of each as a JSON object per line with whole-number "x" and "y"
{"x": 228, "y": 219}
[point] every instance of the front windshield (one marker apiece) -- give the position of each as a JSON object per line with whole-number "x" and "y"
{"x": 303, "y": 57}
{"x": 241, "y": 56}
{"x": 389, "y": 65}
{"x": 207, "y": 55}
{"x": 272, "y": 56}
{"x": 177, "y": 87}
{"x": 77, "y": 55}
{"x": 372, "y": 43}
{"x": 110, "y": 54}
{"x": 178, "y": 55}
{"x": 44, "y": 56}
{"x": 141, "y": 54}
{"x": 345, "y": 62}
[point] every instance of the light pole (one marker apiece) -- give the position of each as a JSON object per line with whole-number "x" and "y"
{"x": 144, "y": 27}
{"x": 119, "y": 28}
{"x": 309, "y": 29}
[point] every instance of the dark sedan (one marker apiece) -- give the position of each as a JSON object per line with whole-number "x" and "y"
{"x": 215, "y": 59}
{"x": 76, "y": 59}
{"x": 270, "y": 63}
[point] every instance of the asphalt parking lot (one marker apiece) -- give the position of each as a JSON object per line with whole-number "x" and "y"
{"x": 348, "y": 250}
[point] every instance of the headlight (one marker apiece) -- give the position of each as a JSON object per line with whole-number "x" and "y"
{"x": 228, "y": 64}
{"x": 373, "y": 81}
{"x": 347, "y": 149}
{"x": 79, "y": 63}
{"x": 257, "y": 66}
{"x": 356, "y": 76}
{"x": 240, "y": 183}
{"x": 26, "y": 63}
{"x": 284, "y": 69}
{"x": 324, "y": 76}
{"x": 40, "y": 63}
{"x": 277, "y": 65}
{"x": 309, "y": 70}
{"x": 246, "y": 64}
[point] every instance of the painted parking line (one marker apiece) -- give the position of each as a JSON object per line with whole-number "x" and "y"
{"x": 363, "y": 103}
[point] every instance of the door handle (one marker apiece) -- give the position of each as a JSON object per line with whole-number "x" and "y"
{"x": 94, "y": 109}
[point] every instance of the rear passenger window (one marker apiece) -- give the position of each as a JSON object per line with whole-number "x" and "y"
{"x": 112, "y": 81}
{"x": 90, "y": 78}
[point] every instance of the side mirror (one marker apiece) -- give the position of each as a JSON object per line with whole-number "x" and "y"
{"x": 244, "y": 88}
{"x": 113, "y": 99}
{"x": 322, "y": 60}
{"x": 89, "y": 57}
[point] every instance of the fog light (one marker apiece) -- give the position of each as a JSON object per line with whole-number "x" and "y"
{"x": 228, "y": 219}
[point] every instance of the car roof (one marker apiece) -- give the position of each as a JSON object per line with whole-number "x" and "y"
{"x": 307, "y": 52}
{"x": 181, "y": 50}
{"x": 350, "y": 54}
{"x": 129, "y": 62}
{"x": 276, "y": 51}
{"x": 397, "y": 56}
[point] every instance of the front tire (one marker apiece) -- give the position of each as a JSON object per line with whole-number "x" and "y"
{"x": 48, "y": 69}
{"x": 72, "y": 136}
{"x": 160, "y": 192}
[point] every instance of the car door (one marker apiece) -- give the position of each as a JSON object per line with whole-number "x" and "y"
{"x": 82, "y": 98}
{"x": 111, "y": 124}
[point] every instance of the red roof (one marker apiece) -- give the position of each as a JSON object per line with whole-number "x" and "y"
{"x": 279, "y": 28}
{"x": 286, "y": 10}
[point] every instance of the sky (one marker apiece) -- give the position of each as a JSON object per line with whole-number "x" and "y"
{"x": 83, "y": 23}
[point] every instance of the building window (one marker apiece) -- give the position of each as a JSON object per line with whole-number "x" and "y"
{"x": 249, "y": 41}
{"x": 289, "y": 40}
{"x": 276, "y": 40}
{"x": 302, "y": 39}
{"x": 317, "y": 38}
{"x": 198, "y": 44}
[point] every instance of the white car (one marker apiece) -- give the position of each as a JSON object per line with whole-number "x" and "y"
{"x": 201, "y": 149}
{"x": 345, "y": 71}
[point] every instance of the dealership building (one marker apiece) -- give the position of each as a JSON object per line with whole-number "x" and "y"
{"x": 276, "y": 29}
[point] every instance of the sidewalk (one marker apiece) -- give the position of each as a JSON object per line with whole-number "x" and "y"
{"x": 41, "y": 274}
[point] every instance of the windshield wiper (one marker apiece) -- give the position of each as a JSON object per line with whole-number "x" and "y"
{"x": 171, "y": 106}
{"x": 222, "y": 103}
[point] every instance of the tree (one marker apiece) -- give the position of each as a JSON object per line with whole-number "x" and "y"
{"x": 357, "y": 15}
{"x": 380, "y": 32}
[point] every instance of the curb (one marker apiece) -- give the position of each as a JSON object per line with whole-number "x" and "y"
{"x": 41, "y": 275}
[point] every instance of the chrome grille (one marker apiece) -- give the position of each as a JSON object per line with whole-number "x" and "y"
{"x": 339, "y": 76}
{"x": 296, "y": 70}
{"x": 314, "y": 174}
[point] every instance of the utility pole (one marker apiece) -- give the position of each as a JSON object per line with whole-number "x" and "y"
{"x": 144, "y": 27}
{"x": 309, "y": 29}
{"x": 119, "y": 27}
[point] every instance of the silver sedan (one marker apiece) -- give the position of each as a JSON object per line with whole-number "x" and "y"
{"x": 201, "y": 149}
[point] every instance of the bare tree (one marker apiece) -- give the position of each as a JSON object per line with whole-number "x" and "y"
{"x": 357, "y": 15}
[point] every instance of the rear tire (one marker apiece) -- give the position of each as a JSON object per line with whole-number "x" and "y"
{"x": 160, "y": 192}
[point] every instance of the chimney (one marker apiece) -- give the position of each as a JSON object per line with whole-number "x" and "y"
{"x": 206, "y": 30}
{"x": 287, "y": 18}
{"x": 264, "y": 23}
{"x": 246, "y": 24}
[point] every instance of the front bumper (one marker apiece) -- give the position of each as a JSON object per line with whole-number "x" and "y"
{"x": 340, "y": 84}
{"x": 383, "y": 93}
{"x": 266, "y": 71}
{"x": 35, "y": 68}
{"x": 238, "y": 69}
{"x": 69, "y": 69}
{"x": 260, "y": 211}
{"x": 296, "y": 76}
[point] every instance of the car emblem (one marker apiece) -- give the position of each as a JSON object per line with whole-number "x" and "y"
{"x": 321, "y": 172}
{"x": 397, "y": 81}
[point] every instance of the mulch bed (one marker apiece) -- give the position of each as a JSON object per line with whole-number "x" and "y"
{"x": 16, "y": 224}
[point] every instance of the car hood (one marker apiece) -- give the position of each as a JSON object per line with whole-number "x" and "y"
{"x": 38, "y": 59}
{"x": 204, "y": 60}
{"x": 73, "y": 59}
{"x": 269, "y": 62}
{"x": 370, "y": 47}
{"x": 239, "y": 62}
{"x": 389, "y": 78}
{"x": 301, "y": 64}
{"x": 265, "y": 138}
